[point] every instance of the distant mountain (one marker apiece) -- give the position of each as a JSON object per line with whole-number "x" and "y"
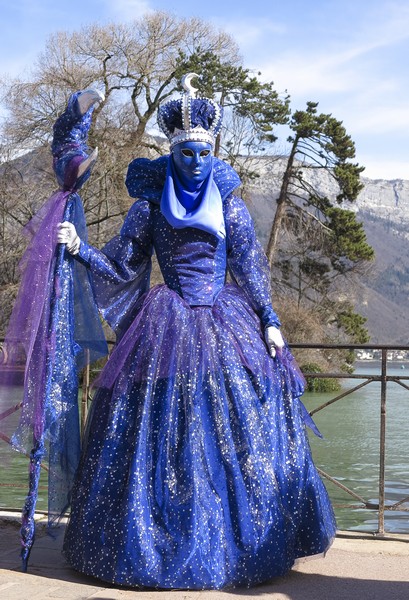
{"x": 383, "y": 208}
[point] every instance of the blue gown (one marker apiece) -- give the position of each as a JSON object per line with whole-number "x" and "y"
{"x": 196, "y": 470}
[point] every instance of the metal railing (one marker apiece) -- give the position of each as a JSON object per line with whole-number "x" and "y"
{"x": 365, "y": 379}
{"x": 384, "y": 379}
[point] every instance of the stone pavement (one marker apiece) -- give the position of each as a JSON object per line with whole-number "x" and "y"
{"x": 353, "y": 569}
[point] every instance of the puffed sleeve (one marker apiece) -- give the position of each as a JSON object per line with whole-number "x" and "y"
{"x": 121, "y": 270}
{"x": 247, "y": 261}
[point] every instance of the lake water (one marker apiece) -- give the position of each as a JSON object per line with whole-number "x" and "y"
{"x": 349, "y": 452}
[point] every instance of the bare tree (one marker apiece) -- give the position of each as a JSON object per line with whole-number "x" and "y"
{"x": 134, "y": 65}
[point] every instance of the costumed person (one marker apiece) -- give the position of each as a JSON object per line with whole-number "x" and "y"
{"x": 196, "y": 470}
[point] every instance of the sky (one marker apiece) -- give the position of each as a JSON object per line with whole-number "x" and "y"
{"x": 350, "y": 56}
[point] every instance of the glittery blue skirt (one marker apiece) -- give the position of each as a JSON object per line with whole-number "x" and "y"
{"x": 196, "y": 470}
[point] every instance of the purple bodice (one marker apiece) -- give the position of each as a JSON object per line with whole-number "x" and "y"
{"x": 192, "y": 262}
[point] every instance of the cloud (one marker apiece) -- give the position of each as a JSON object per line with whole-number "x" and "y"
{"x": 349, "y": 69}
{"x": 331, "y": 61}
{"x": 381, "y": 168}
{"x": 127, "y": 9}
{"x": 250, "y": 32}
{"x": 382, "y": 119}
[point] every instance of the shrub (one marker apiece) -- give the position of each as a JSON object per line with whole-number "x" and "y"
{"x": 319, "y": 384}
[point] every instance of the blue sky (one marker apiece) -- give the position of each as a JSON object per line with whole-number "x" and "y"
{"x": 349, "y": 55}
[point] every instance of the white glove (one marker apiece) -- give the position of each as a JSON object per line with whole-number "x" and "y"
{"x": 274, "y": 340}
{"x": 67, "y": 234}
{"x": 88, "y": 98}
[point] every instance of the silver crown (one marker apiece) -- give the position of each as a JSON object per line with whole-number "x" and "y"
{"x": 185, "y": 109}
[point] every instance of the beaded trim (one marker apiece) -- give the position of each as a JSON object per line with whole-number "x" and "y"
{"x": 197, "y": 134}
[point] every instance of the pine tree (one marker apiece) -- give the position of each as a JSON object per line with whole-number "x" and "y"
{"x": 316, "y": 241}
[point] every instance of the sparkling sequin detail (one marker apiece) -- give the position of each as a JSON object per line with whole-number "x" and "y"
{"x": 196, "y": 471}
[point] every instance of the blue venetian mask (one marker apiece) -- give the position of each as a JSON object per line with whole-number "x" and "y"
{"x": 193, "y": 162}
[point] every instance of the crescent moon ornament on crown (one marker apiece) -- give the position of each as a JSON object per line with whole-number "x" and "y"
{"x": 186, "y": 82}
{"x": 190, "y": 118}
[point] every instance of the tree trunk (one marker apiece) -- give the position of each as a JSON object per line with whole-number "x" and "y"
{"x": 281, "y": 205}
{"x": 216, "y": 150}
